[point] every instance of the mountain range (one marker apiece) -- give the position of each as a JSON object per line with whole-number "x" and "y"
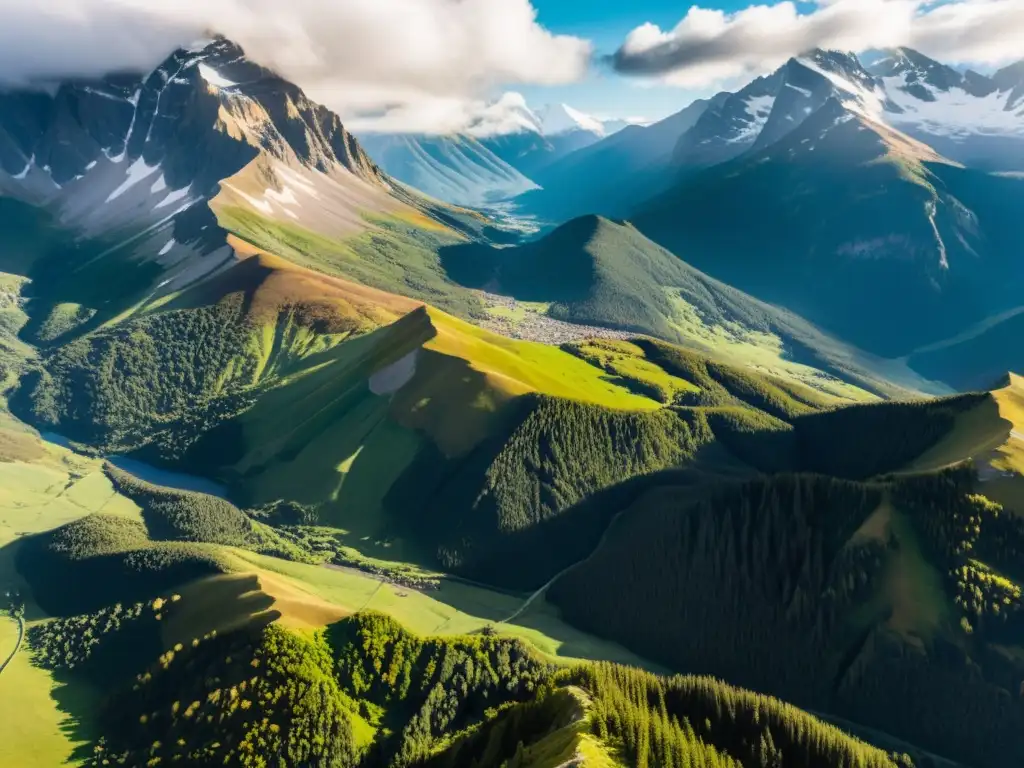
{"x": 839, "y": 204}
{"x": 305, "y": 463}
{"x": 827, "y": 182}
{"x": 488, "y": 165}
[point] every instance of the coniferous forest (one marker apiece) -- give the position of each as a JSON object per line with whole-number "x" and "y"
{"x": 270, "y": 697}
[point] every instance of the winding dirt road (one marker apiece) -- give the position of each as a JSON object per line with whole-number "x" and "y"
{"x": 17, "y": 645}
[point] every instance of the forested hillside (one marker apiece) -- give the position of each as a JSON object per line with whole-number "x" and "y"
{"x": 366, "y": 692}
{"x": 865, "y": 600}
{"x": 406, "y": 425}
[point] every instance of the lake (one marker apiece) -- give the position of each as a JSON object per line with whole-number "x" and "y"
{"x": 155, "y": 475}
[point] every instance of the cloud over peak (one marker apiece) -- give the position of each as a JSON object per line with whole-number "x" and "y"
{"x": 403, "y": 61}
{"x": 709, "y": 46}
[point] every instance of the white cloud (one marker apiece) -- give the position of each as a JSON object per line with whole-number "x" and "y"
{"x": 508, "y": 114}
{"x": 711, "y": 46}
{"x": 415, "y": 64}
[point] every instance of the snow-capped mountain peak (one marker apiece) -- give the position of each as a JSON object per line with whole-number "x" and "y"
{"x": 853, "y": 85}
{"x": 964, "y": 116}
{"x": 930, "y": 99}
{"x": 561, "y": 118}
{"x": 509, "y": 114}
{"x": 771, "y": 107}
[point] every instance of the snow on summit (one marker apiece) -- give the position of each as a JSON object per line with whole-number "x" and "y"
{"x": 561, "y": 118}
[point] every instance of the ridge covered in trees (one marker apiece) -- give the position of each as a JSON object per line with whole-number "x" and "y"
{"x": 874, "y": 600}
{"x": 366, "y": 693}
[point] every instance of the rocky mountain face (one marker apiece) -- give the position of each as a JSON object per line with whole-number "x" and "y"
{"x": 967, "y": 117}
{"x": 770, "y": 107}
{"x": 199, "y": 117}
{"x": 145, "y": 159}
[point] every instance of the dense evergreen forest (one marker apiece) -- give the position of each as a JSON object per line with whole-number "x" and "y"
{"x": 556, "y": 479}
{"x": 116, "y": 387}
{"x": 173, "y": 515}
{"x": 560, "y": 453}
{"x": 100, "y": 560}
{"x": 366, "y": 693}
{"x": 873, "y": 601}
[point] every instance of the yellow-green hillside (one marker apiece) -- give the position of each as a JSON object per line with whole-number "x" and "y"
{"x": 991, "y": 434}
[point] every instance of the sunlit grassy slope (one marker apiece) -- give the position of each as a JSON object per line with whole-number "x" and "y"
{"x": 397, "y": 255}
{"x": 992, "y": 435}
{"x": 347, "y": 424}
{"x": 42, "y": 487}
{"x": 517, "y": 367}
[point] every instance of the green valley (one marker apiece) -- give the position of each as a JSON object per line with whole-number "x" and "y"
{"x": 301, "y": 467}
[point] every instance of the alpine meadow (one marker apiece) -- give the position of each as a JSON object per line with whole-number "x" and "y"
{"x": 363, "y": 404}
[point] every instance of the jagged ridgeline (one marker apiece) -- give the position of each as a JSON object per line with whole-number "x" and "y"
{"x": 366, "y": 692}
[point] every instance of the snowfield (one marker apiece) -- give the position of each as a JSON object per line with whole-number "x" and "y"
{"x": 953, "y": 113}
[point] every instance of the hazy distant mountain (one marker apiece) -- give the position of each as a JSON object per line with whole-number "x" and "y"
{"x": 456, "y": 169}
{"x": 610, "y": 176}
{"x": 471, "y": 170}
{"x": 542, "y": 137}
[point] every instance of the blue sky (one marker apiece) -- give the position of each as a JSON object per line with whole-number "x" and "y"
{"x": 979, "y": 33}
{"x": 432, "y": 65}
{"x": 606, "y": 23}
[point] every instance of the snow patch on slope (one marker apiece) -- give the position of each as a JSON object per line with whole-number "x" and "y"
{"x": 953, "y": 113}
{"x": 392, "y": 378}
{"x": 137, "y": 171}
{"x": 932, "y": 209}
{"x": 214, "y": 78}
{"x": 25, "y": 170}
{"x": 173, "y": 197}
{"x": 760, "y": 109}
{"x": 561, "y": 118}
{"x": 854, "y": 96}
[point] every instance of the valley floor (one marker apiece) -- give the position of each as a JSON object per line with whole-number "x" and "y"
{"x": 526, "y": 321}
